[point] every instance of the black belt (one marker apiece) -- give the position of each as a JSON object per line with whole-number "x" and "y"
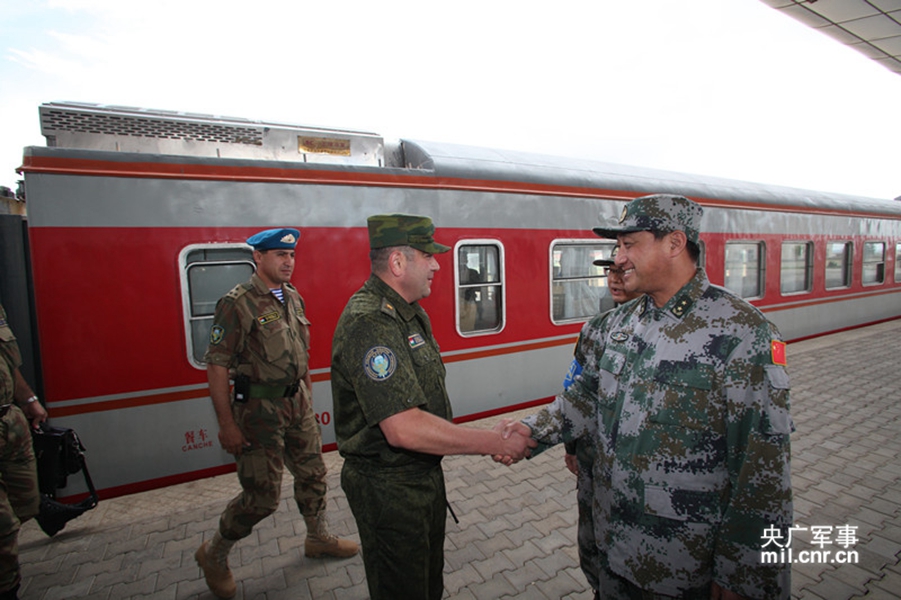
{"x": 260, "y": 390}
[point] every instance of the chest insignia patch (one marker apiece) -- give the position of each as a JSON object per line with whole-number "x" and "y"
{"x": 619, "y": 336}
{"x": 216, "y": 334}
{"x": 379, "y": 363}
{"x": 268, "y": 317}
{"x": 415, "y": 340}
{"x": 778, "y": 351}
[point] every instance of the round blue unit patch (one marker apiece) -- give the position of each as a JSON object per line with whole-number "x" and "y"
{"x": 379, "y": 363}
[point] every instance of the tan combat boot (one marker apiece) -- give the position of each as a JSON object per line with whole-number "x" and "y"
{"x": 320, "y": 542}
{"x": 212, "y": 558}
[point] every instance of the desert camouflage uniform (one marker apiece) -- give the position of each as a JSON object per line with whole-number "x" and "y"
{"x": 385, "y": 361}
{"x": 690, "y": 412}
{"x": 254, "y": 334}
{"x": 19, "y": 495}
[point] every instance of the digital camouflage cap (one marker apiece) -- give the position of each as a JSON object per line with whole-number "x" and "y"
{"x": 660, "y": 212}
{"x": 404, "y": 230}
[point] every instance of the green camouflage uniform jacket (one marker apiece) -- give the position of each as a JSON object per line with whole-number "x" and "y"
{"x": 688, "y": 406}
{"x": 384, "y": 361}
{"x": 254, "y": 334}
{"x": 10, "y": 360}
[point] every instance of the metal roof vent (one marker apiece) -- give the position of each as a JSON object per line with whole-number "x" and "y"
{"x": 126, "y": 129}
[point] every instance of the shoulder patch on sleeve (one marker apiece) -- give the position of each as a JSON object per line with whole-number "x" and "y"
{"x": 379, "y": 363}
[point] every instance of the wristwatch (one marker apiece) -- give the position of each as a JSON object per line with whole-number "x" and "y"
{"x": 31, "y": 399}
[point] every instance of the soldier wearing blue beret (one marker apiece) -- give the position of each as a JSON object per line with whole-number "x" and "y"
{"x": 260, "y": 338}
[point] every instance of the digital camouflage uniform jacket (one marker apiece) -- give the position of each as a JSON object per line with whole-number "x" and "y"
{"x": 689, "y": 408}
{"x": 254, "y": 334}
{"x": 385, "y": 360}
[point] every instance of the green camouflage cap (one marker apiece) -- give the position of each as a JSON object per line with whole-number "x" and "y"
{"x": 404, "y": 230}
{"x": 660, "y": 212}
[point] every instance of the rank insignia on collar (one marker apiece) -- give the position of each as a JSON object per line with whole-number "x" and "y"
{"x": 415, "y": 340}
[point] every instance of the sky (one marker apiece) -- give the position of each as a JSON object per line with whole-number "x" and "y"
{"x": 724, "y": 88}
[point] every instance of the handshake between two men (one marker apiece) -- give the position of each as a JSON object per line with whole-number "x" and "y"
{"x": 518, "y": 442}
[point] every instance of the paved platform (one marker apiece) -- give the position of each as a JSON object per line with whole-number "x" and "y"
{"x": 517, "y": 530}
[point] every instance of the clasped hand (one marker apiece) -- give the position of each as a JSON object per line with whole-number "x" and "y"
{"x": 516, "y": 439}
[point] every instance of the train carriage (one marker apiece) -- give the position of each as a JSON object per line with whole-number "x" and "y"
{"x": 137, "y": 221}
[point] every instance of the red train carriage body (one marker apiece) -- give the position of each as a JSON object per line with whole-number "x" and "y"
{"x": 126, "y": 228}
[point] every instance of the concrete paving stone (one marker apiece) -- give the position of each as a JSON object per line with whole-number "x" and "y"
{"x": 495, "y": 587}
{"x": 830, "y": 587}
{"x": 493, "y": 526}
{"x": 176, "y": 575}
{"x": 533, "y": 592}
{"x": 77, "y": 589}
{"x": 158, "y": 565}
{"x": 492, "y": 565}
{"x": 110, "y": 578}
{"x": 184, "y": 547}
{"x": 461, "y": 556}
{"x": 561, "y": 585}
{"x": 96, "y": 567}
{"x": 357, "y": 592}
{"x": 525, "y": 576}
{"x": 885, "y": 548}
{"x": 459, "y": 578}
{"x": 521, "y": 554}
{"x": 494, "y": 544}
{"x": 554, "y": 540}
{"x": 271, "y": 581}
{"x": 551, "y": 564}
{"x": 855, "y": 576}
{"x": 463, "y": 594}
{"x": 527, "y": 531}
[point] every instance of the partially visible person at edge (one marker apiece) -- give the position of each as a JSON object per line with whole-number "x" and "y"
{"x": 393, "y": 415}
{"x": 20, "y": 499}
{"x": 260, "y": 337}
{"x": 579, "y": 456}
{"x": 688, "y": 402}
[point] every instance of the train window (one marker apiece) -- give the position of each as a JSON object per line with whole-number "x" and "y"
{"x": 898, "y": 263}
{"x": 839, "y": 257}
{"x": 208, "y": 272}
{"x": 480, "y": 287}
{"x": 873, "y": 271}
{"x": 745, "y": 268}
{"x": 797, "y": 267}
{"x": 578, "y": 287}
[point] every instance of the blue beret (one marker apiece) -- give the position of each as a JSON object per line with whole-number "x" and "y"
{"x": 272, "y": 239}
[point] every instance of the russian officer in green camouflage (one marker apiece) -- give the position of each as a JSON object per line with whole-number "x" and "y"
{"x": 393, "y": 415}
{"x": 20, "y": 498}
{"x": 260, "y": 338}
{"x": 687, "y": 400}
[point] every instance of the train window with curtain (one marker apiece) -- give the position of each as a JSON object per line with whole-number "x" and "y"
{"x": 796, "y": 275}
{"x": 745, "y": 268}
{"x": 208, "y": 272}
{"x": 873, "y": 271}
{"x": 480, "y": 287}
{"x": 839, "y": 258}
{"x": 578, "y": 287}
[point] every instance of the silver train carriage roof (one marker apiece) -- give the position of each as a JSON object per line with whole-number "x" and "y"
{"x": 199, "y": 138}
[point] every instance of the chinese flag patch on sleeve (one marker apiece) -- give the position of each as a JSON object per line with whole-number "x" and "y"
{"x": 778, "y": 353}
